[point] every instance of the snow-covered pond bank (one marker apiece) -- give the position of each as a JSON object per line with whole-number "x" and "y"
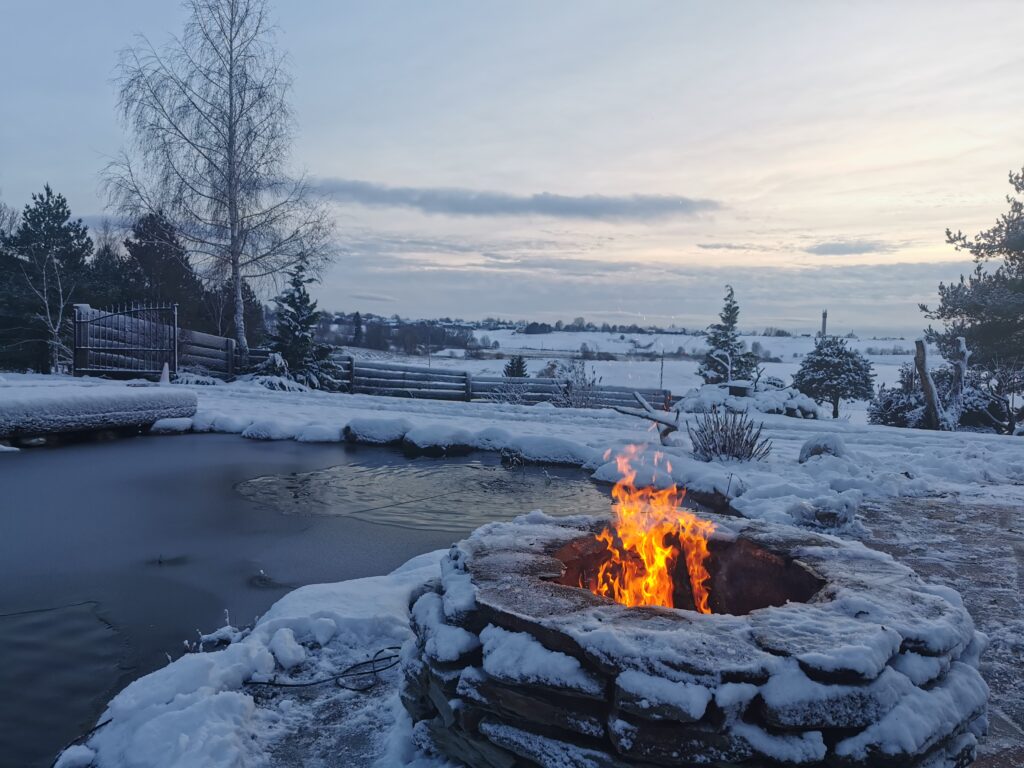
{"x": 138, "y": 543}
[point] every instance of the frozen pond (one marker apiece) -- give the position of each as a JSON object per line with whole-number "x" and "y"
{"x": 114, "y": 554}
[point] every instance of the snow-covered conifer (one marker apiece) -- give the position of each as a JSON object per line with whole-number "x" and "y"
{"x": 726, "y": 359}
{"x": 516, "y": 367}
{"x": 834, "y": 372}
{"x": 306, "y": 361}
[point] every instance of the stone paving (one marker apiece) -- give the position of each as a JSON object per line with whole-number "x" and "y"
{"x": 979, "y": 551}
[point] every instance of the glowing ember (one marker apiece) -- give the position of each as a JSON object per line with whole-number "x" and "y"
{"x": 650, "y": 532}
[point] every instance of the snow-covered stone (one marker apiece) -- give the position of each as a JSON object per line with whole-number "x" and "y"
{"x": 826, "y": 443}
{"x": 286, "y": 649}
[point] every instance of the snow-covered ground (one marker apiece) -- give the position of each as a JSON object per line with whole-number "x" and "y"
{"x": 207, "y": 696}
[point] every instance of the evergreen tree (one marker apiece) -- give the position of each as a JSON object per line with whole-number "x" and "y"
{"x": 156, "y": 253}
{"x": 357, "y": 330}
{"x": 112, "y": 279}
{"x": 293, "y": 342}
{"x": 833, "y": 372}
{"x": 726, "y": 358}
{"x": 516, "y": 367}
{"x": 50, "y": 252}
{"x": 986, "y": 307}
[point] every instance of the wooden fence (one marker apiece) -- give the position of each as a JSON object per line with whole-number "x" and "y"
{"x": 137, "y": 341}
{"x": 372, "y": 377}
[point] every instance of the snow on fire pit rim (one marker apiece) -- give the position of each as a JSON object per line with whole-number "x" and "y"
{"x": 874, "y": 644}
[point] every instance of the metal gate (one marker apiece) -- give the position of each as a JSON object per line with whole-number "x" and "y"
{"x": 133, "y": 340}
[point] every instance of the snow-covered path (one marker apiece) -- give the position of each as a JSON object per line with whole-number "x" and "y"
{"x": 977, "y": 549}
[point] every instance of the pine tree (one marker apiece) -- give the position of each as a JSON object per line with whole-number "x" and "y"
{"x": 986, "y": 308}
{"x": 726, "y": 359}
{"x": 516, "y": 367}
{"x": 112, "y": 278}
{"x": 833, "y": 372}
{"x": 156, "y": 253}
{"x": 50, "y": 251}
{"x": 306, "y": 361}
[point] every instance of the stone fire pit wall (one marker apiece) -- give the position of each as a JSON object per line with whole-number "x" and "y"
{"x": 509, "y": 668}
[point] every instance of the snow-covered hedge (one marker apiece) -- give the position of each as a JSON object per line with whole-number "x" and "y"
{"x": 786, "y": 402}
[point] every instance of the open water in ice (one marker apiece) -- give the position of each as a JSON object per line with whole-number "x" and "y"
{"x": 113, "y": 554}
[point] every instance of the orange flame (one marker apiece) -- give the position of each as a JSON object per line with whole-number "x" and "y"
{"x": 651, "y": 530}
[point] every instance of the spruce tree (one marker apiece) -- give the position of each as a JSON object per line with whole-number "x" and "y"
{"x": 726, "y": 359}
{"x": 833, "y": 372}
{"x": 515, "y": 368}
{"x": 294, "y": 340}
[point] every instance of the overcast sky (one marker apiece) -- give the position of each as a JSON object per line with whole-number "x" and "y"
{"x": 617, "y": 160}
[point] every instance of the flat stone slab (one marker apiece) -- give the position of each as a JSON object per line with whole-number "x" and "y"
{"x": 32, "y": 411}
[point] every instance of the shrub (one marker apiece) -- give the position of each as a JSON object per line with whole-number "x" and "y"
{"x": 718, "y": 435}
{"x": 578, "y": 385}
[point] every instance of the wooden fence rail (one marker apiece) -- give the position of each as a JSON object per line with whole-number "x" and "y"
{"x": 375, "y": 377}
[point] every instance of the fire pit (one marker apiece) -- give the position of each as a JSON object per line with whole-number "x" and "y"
{"x": 558, "y": 642}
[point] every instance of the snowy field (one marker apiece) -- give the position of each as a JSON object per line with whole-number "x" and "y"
{"x": 318, "y": 630}
{"x": 677, "y": 375}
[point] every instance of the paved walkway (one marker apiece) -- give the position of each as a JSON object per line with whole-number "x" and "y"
{"x": 979, "y": 551}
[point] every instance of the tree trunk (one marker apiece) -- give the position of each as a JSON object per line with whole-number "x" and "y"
{"x": 956, "y": 399}
{"x": 236, "y": 285}
{"x": 835, "y": 408}
{"x": 933, "y": 416}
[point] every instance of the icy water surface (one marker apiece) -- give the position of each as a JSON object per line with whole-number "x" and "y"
{"x": 462, "y": 497}
{"x": 114, "y": 554}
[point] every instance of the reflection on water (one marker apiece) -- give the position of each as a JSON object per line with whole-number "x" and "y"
{"x": 430, "y": 495}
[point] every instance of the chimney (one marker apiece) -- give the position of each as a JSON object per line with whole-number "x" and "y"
{"x": 824, "y": 321}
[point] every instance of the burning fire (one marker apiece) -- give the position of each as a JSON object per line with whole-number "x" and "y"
{"x": 650, "y": 533}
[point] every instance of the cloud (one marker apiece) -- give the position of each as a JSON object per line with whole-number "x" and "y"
{"x": 730, "y": 247}
{"x": 373, "y": 297}
{"x": 467, "y": 202}
{"x": 848, "y": 247}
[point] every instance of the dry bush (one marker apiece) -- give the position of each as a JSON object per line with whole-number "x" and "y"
{"x": 717, "y": 435}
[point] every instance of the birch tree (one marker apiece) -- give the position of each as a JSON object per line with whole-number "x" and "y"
{"x": 50, "y": 251}
{"x": 210, "y": 135}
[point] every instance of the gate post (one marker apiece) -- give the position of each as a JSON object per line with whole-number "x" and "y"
{"x": 174, "y": 360}
{"x": 79, "y": 356}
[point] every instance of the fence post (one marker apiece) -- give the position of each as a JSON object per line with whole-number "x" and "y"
{"x": 229, "y": 348}
{"x": 174, "y": 366}
{"x": 469, "y": 386}
{"x": 351, "y": 374}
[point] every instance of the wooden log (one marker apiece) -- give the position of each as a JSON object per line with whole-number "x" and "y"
{"x": 199, "y": 338}
{"x": 427, "y": 394}
{"x": 398, "y": 382}
{"x": 219, "y": 364}
{"x": 374, "y": 365}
